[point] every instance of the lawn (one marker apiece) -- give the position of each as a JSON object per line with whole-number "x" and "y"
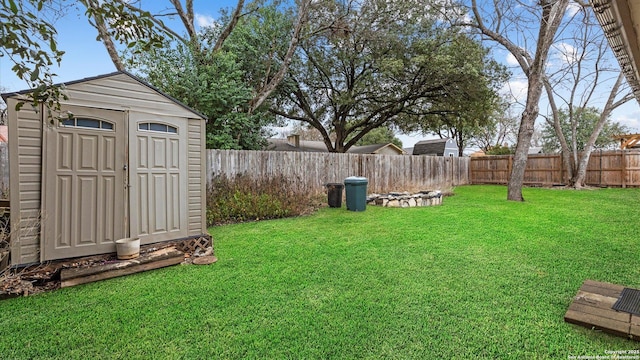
{"x": 477, "y": 277}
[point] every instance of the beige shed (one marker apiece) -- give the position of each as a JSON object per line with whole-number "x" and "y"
{"x": 130, "y": 163}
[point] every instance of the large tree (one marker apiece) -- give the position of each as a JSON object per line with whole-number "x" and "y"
{"x": 577, "y": 129}
{"x": 527, "y": 30}
{"x": 374, "y": 66}
{"x": 471, "y": 115}
{"x": 111, "y": 28}
{"x": 222, "y": 82}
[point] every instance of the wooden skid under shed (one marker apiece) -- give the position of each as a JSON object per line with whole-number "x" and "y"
{"x": 153, "y": 260}
{"x": 591, "y": 308}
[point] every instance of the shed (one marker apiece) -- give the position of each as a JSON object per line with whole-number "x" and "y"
{"x": 436, "y": 147}
{"x": 379, "y": 149}
{"x": 129, "y": 163}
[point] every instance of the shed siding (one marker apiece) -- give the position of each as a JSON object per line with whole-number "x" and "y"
{"x": 388, "y": 151}
{"x": 25, "y": 130}
{"x": 120, "y": 92}
{"x": 197, "y": 178}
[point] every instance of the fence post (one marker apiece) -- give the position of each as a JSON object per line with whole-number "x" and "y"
{"x": 562, "y": 176}
{"x": 623, "y": 171}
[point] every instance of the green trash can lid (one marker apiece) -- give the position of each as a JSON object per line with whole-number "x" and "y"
{"x": 356, "y": 180}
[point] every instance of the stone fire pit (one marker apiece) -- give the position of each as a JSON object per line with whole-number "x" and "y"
{"x": 406, "y": 199}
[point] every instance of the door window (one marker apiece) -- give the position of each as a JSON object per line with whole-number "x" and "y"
{"x": 157, "y": 127}
{"x": 88, "y": 123}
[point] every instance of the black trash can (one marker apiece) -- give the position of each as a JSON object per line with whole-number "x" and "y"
{"x": 334, "y": 194}
{"x": 356, "y": 193}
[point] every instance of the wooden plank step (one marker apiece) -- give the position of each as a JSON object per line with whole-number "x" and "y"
{"x": 591, "y": 308}
{"x": 605, "y": 291}
{"x": 154, "y": 260}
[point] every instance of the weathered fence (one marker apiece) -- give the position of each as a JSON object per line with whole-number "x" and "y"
{"x": 310, "y": 171}
{"x": 620, "y": 168}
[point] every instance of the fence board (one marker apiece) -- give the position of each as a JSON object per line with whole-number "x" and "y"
{"x": 620, "y": 168}
{"x": 310, "y": 171}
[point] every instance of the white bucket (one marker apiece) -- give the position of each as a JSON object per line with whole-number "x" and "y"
{"x": 128, "y": 248}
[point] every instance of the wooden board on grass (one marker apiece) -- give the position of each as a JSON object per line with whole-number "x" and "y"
{"x": 591, "y": 308}
{"x": 154, "y": 260}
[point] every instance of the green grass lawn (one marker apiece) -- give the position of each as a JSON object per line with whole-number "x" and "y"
{"x": 477, "y": 277}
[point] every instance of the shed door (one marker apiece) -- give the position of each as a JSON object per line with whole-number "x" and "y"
{"x": 158, "y": 177}
{"x": 84, "y": 190}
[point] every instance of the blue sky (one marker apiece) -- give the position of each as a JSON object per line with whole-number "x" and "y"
{"x": 86, "y": 57}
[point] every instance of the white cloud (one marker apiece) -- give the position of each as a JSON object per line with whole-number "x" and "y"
{"x": 205, "y": 21}
{"x": 511, "y": 60}
{"x": 515, "y": 90}
{"x": 566, "y": 53}
{"x": 631, "y": 120}
{"x": 573, "y": 8}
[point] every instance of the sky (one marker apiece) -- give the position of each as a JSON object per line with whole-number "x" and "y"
{"x": 86, "y": 57}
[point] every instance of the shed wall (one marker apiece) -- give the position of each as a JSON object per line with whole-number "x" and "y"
{"x": 25, "y": 149}
{"x": 196, "y": 208}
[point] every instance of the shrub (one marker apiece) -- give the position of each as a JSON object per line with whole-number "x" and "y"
{"x": 244, "y": 198}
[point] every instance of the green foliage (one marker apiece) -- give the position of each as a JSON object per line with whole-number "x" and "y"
{"x": 500, "y": 150}
{"x": 245, "y": 199}
{"x": 221, "y": 84}
{"x": 213, "y": 84}
{"x": 381, "y": 135}
{"x": 585, "y": 121}
{"x": 493, "y": 281}
{"x": 29, "y": 42}
{"x": 468, "y": 115}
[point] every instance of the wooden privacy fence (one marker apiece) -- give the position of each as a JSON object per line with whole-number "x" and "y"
{"x": 310, "y": 171}
{"x": 620, "y": 168}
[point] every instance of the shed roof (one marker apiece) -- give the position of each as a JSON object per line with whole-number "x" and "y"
{"x": 103, "y": 76}
{"x": 425, "y": 147}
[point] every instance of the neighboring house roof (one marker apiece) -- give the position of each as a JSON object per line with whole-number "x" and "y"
{"x": 430, "y": 147}
{"x": 535, "y": 150}
{"x": 620, "y": 20}
{"x": 319, "y": 146}
{"x": 305, "y": 145}
{"x": 376, "y": 149}
{"x": 116, "y": 73}
{"x": 4, "y": 133}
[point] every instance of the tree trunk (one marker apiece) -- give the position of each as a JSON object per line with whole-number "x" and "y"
{"x": 581, "y": 173}
{"x": 264, "y": 92}
{"x": 514, "y": 190}
{"x": 552, "y": 13}
{"x": 103, "y": 33}
{"x": 565, "y": 152}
